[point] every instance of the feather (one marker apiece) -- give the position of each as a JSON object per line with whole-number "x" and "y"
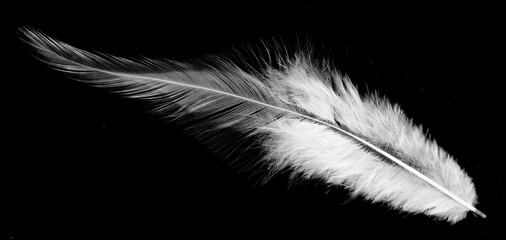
{"x": 310, "y": 119}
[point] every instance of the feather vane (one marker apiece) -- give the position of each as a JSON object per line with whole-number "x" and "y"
{"x": 311, "y": 119}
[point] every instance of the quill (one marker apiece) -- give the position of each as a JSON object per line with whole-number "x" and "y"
{"x": 310, "y": 119}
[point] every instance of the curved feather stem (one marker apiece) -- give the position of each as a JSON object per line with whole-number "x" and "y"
{"x": 378, "y": 150}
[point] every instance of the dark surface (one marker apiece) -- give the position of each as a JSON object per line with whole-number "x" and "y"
{"x": 80, "y": 163}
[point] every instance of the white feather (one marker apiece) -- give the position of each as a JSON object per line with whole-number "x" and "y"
{"x": 312, "y": 120}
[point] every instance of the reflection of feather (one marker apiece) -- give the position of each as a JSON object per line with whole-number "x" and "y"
{"x": 310, "y": 120}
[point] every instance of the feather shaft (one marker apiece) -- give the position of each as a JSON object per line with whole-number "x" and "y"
{"x": 380, "y": 151}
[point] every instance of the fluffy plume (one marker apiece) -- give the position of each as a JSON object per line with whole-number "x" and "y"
{"x": 310, "y": 119}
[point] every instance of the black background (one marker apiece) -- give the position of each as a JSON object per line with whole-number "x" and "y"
{"x": 80, "y": 163}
